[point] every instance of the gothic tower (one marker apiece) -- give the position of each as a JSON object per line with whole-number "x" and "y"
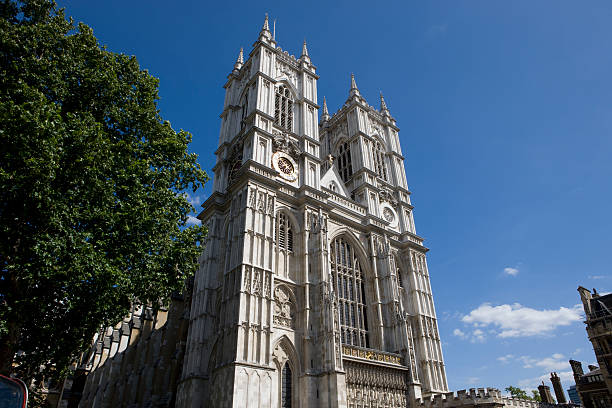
{"x": 313, "y": 289}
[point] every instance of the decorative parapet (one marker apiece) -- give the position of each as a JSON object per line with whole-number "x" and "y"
{"x": 343, "y": 202}
{"x": 475, "y": 397}
{"x": 372, "y": 355}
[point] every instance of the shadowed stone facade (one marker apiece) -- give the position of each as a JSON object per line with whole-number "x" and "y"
{"x": 313, "y": 288}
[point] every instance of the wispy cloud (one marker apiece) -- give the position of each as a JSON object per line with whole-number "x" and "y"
{"x": 194, "y": 199}
{"x": 511, "y": 271}
{"x": 505, "y": 359}
{"x": 597, "y": 277}
{"x": 191, "y": 220}
{"x": 472, "y": 380}
{"x": 436, "y": 30}
{"x": 553, "y": 363}
{"x": 476, "y": 336}
{"x": 519, "y": 321}
{"x": 566, "y": 377}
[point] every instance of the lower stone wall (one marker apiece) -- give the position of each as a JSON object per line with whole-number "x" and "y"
{"x": 138, "y": 362}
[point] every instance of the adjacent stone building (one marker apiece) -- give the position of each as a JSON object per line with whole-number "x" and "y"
{"x": 313, "y": 289}
{"x": 595, "y": 387}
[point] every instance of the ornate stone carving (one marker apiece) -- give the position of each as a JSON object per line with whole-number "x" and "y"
{"x": 257, "y": 282}
{"x": 368, "y": 385}
{"x": 387, "y": 196}
{"x": 247, "y": 279}
{"x": 284, "y": 309}
{"x": 285, "y": 70}
{"x": 282, "y": 142}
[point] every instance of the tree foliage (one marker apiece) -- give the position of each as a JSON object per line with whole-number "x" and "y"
{"x": 516, "y": 392}
{"x": 92, "y": 214}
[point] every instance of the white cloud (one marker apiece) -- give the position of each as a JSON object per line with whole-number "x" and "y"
{"x": 567, "y": 379}
{"x": 194, "y": 199}
{"x": 555, "y": 362}
{"x": 505, "y": 359}
{"x": 477, "y": 336}
{"x": 472, "y": 380}
{"x": 511, "y": 271}
{"x": 459, "y": 333}
{"x": 191, "y": 220}
{"x": 596, "y": 277}
{"x": 519, "y": 321}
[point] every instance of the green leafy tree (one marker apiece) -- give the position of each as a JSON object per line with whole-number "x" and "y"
{"x": 536, "y": 396}
{"x": 92, "y": 210}
{"x": 516, "y": 392}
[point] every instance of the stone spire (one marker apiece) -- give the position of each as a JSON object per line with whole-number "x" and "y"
{"x": 305, "y": 58}
{"x": 383, "y": 106}
{"x": 265, "y": 35}
{"x": 239, "y": 60}
{"x": 325, "y": 114}
{"x": 304, "y": 49}
{"x": 354, "y": 91}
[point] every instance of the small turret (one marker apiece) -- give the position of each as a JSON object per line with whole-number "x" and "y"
{"x": 383, "y": 106}
{"x": 304, "y": 57}
{"x": 354, "y": 91}
{"x": 325, "y": 113}
{"x": 239, "y": 61}
{"x": 265, "y": 35}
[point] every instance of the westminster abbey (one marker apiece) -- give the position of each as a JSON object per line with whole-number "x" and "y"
{"x": 313, "y": 288}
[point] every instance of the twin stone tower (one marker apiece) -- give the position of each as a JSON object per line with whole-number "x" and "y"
{"x": 313, "y": 288}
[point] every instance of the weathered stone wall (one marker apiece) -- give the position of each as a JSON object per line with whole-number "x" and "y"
{"x": 138, "y": 362}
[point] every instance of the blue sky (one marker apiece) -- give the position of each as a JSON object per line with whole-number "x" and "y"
{"x": 505, "y": 110}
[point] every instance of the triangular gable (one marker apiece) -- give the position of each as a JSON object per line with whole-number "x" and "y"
{"x": 332, "y": 176}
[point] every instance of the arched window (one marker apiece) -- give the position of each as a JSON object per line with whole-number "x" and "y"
{"x": 283, "y": 108}
{"x": 345, "y": 168}
{"x": 286, "y": 386}
{"x": 379, "y": 160}
{"x": 333, "y": 187}
{"x": 349, "y": 285}
{"x": 284, "y": 232}
{"x": 245, "y": 108}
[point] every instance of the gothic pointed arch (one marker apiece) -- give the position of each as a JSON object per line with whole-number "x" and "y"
{"x": 343, "y": 160}
{"x": 379, "y": 154}
{"x": 350, "y": 281}
{"x": 284, "y": 103}
{"x": 286, "y": 230}
{"x": 283, "y": 351}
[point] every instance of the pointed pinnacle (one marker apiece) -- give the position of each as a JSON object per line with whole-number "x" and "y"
{"x": 304, "y": 49}
{"x": 266, "y": 26}
{"x": 383, "y": 105}
{"x": 240, "y": 59}
{"x": 325, "y": 113}
{"x": 354, "y": 91}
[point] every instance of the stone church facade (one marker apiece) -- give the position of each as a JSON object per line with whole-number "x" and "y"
{"x": 313, "y": 288}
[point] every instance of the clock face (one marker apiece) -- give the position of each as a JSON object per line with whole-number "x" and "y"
{"x": 388, "y": 214}
{"x": 285, "y": 165}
